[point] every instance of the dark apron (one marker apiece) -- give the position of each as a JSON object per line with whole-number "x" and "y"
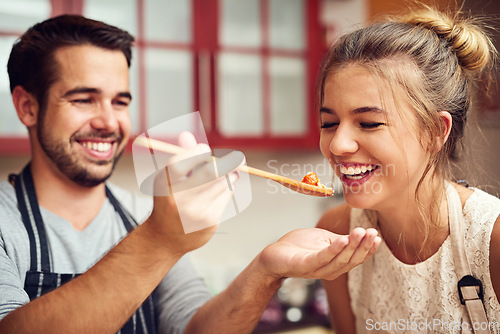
{"x": 40, "y": 279}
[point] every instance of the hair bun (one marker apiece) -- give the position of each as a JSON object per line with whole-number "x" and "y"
{"x": 466, "y": 36}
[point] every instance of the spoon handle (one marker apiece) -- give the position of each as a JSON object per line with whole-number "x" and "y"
{"x": 298, "y": 186}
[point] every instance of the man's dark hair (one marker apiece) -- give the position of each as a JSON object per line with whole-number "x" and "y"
{"x": 32, "y": 64}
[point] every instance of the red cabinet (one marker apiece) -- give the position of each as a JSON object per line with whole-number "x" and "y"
{"x": 248, "y": 66}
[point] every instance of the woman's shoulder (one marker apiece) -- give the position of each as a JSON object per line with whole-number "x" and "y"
{"x": 478, "y": 204}
{"x": 463, "y": 192}
{"x": 336, "y": 219}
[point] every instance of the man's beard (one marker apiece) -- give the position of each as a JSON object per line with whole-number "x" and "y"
{"x": 60, "y": 154}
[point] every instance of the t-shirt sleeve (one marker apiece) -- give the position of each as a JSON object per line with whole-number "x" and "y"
{"x": 14, "y": 253}
{"x": 12, "y": 294}
{"x": 178, "y": 296}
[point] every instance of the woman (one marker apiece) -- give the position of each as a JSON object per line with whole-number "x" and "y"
{"x": 394, "y": 98}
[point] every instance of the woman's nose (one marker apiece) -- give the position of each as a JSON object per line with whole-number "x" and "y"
{"x": 344, "y": 141}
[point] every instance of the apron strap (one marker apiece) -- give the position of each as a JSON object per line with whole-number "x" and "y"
{"x": 40, "y": 279}
{"x": 469, "y": 288}
{"x": 32, "y": 219}
{"x": 128, "y": 221}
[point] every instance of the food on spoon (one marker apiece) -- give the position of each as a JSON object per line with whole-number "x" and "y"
{"x": 312, "y": 179}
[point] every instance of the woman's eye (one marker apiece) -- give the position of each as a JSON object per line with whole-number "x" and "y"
{"x": 327, "y": 125}
{"x": 371, "y": 125}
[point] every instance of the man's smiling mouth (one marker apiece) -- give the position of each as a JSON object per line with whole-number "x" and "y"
{"x": 98, "y": 146}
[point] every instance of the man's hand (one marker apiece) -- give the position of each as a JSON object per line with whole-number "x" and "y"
{"x": 197, "y": 200}
{"x": 317, "y": 253}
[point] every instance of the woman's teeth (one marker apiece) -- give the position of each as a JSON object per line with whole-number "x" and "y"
{"x": 358, "y": 172}
{"x": 99, "y": 147}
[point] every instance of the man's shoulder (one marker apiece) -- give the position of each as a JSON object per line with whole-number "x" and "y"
{"x": 10, "y": 217}
{"x": 7, "y": 196}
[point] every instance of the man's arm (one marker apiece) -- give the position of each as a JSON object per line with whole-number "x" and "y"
{"x": 310, "y": 253}
{"x": 103, "y": 298}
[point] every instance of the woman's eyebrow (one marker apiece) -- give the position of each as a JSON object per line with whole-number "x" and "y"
{"x": 354, "y": 111}
{"x": 326, "y": 110}
{"x": 367, "y": 109}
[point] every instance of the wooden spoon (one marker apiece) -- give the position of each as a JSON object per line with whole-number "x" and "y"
{"x": 292, "y": 184}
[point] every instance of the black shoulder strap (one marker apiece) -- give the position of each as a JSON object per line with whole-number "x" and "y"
{"x": 32, "y": 219}
{"x": 127, "y": 219}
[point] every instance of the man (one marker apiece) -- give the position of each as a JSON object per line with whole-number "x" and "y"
{"x": 72, "y": 257}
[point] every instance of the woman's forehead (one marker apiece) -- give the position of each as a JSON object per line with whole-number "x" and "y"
{"x": 353, "y": 85}
{"x": 356, "y": 86}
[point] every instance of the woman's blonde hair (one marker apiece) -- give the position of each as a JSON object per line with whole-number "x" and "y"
{"x": 432, "y": 61}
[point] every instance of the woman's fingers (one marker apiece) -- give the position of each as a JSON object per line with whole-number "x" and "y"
{"x": 365, "y": 246}
{"x": 355, "y": 238}
{"x": 362, "y": 244}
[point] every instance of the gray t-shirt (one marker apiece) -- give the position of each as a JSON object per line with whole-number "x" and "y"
{"x": 176, "y": 298}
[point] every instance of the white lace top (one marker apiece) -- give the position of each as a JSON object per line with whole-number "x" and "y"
{"x": 423, "y": 298}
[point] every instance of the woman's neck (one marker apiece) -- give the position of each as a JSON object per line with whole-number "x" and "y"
{"x": 414, "y": 233}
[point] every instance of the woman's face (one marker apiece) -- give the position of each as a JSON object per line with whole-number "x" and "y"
{"x": 373, "y": 151}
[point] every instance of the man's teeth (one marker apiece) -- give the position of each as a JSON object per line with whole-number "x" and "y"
{"x": 356, "y": 172}
{"x": 100, "y": 147}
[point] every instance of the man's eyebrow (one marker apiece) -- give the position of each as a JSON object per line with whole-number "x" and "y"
{"x": 81, "y": 90}
{"x": 88, "y": 90}
{"x": 126, "y": 95}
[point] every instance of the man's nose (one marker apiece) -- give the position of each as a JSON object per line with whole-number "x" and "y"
{"x": 105, "y": 118}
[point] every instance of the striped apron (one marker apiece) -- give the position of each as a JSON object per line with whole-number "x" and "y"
{"x": 40, "y": 279}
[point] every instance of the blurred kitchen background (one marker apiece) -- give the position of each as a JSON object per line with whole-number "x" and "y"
{"x": 249, "y": 67}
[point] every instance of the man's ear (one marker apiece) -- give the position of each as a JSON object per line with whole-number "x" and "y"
{"x": 447, "y": 122}
{"x": 26, "y": 106}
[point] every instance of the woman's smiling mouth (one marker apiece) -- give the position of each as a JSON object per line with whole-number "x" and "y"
{"x": 355, "y": 173}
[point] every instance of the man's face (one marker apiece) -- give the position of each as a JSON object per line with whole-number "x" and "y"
{"x": 86, "y": 124}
